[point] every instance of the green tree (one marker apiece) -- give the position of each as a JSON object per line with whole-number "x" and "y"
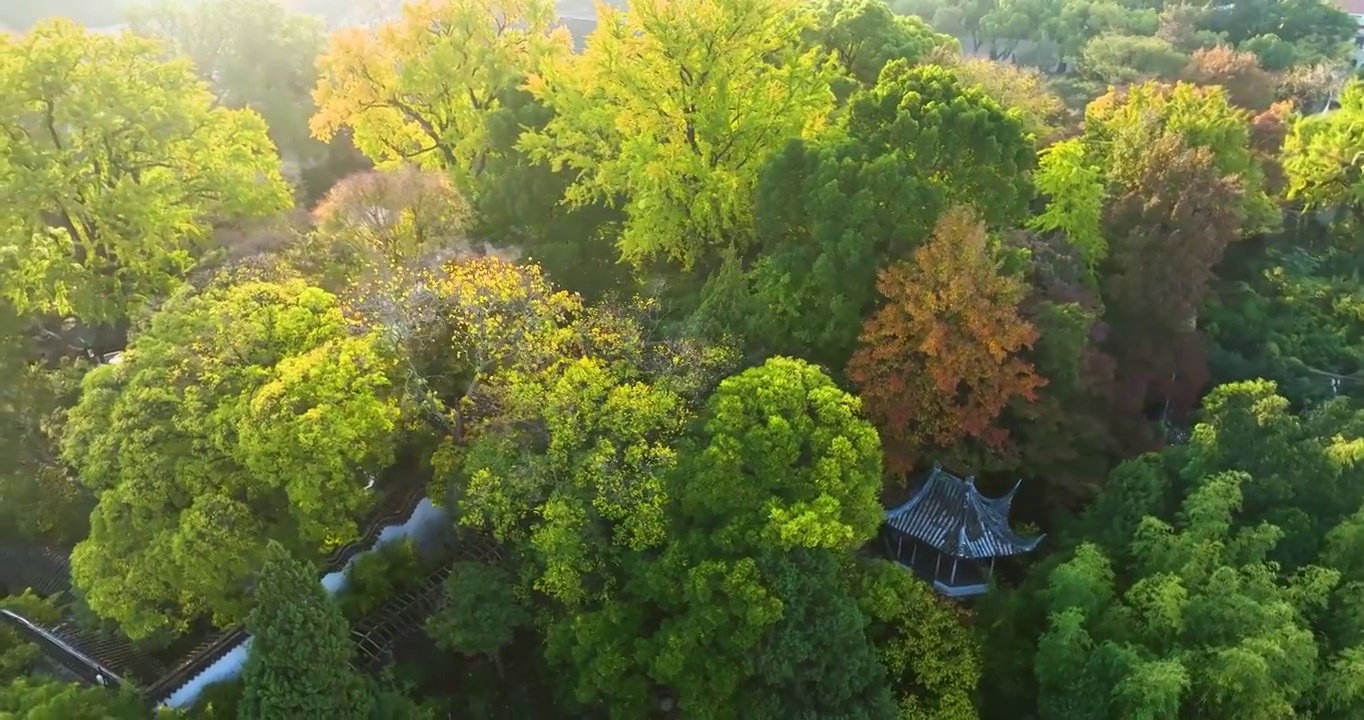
{"x": 108, "y": 205}
{"x": 673, "y": 109}
{"x": 709, "y": 563}
{"x": 781, "y": 486}
{"x": 1322, "y": 157}
{"x": 1302, "y": 470}
{"x": 830, "y": 215}
{"x": 40, "y": 500}
{"x": 42, "y": 699}
{"x": 990, "y": 28}
{"x": 1161, "y": 645}
{"x": 241, "y": 413}
{"x": 811, "y": 659}
{"x": 1206, "y": 580}
{"x": 1295, "y": 319}
{"x": 584, "y": 507}
{"x": 865, "y": 35}
{"x": 810, "y": 478}
{"x": 932, "y": 659}
{"x": 999, "y": 152}
{"x": 18, "y": 656}
{"x": 481, "y": 613}
{"x": 614, "y": 441}
{"x": 299, "y": 661}
{"x": 326, "y": 417}
{"x": 252, "y": 54}
{"x": 1076, "y": 195}
{"x": 1311, "y": 31}
{"x": 1115, "y": 59}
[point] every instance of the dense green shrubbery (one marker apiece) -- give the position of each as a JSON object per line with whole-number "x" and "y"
{"x": 375, "y": 577}
{"x": 17, "y": 655}
{"x": 753, "y": 274}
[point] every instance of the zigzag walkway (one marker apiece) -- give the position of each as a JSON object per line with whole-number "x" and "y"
{"x": 376, "y": 634}
{"x": 111, "y": 659}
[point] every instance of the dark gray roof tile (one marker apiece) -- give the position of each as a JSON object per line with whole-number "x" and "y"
{"x": 950, "y": 515}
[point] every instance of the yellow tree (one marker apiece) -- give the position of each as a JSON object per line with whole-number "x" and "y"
{"x": 460, "y": 324}
{"x": 114, "y": 168}
{"x": 1021, "y": 88}
{"x": 674, "y": 108}
{"x": 421, "y": 89}
{"x": 1322, "y": 153}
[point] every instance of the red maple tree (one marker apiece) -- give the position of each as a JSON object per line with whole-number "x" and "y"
{"x": 1169, "y": 230}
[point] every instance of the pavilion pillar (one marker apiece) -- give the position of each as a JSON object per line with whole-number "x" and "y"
{"x": 954, "y": 571}
{"x": 899, "y": 547}
{"x": 937, "y": 567}
{"x": 913, "y": 553}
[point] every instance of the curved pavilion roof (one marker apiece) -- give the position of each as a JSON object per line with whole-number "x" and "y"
{"x": 951, "y": 516}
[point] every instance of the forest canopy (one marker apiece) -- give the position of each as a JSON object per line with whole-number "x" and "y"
{"x": 660, "y": 315}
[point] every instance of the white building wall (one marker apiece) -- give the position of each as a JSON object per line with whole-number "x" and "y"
{"x": 1359, "y": 39}
{"x": 426, "y": 521}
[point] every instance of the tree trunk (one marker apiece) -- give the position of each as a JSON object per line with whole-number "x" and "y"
{"x": 497, "y": 661}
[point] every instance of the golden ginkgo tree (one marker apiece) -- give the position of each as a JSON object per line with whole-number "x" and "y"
{"x": 420, "y": 89}
{"x": 673, "y": 109}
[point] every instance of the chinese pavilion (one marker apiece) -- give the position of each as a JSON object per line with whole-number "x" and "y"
{"x": 949, "y": 534}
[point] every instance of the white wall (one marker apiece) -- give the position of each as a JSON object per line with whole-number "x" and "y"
{"x": 426, "y": 521}
{"x": 1359, "y": 39}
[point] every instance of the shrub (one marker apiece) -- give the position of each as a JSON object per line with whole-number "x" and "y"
{"x": 375, "y": 577}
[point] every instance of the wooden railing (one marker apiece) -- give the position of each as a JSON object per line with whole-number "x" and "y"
{"x": 375, "y": 634}
{"x": 379, "y": 630}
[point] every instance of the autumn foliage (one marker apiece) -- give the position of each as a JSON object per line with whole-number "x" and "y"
{"x": 372, "y": 224}
{"x": 941, "y": 359}
{"x": 394, "y": 213}
{"x": 1238, "y": 73}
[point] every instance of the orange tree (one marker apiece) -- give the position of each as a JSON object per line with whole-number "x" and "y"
{"x": 941, "y": 359}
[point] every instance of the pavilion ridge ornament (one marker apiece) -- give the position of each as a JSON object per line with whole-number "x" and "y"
{"x": 949, "y": 534}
